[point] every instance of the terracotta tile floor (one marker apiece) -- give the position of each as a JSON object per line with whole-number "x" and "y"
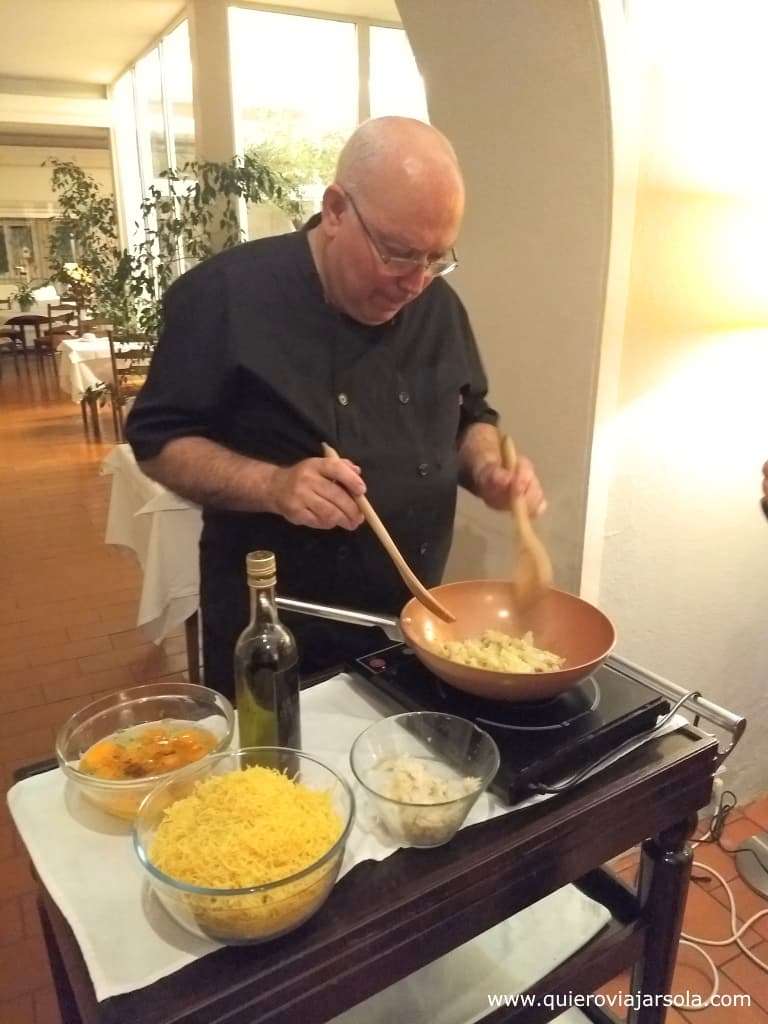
{"x": 707, "y": 915}
{"x": 67, "y": 630}
{"x": 67, "y": 633}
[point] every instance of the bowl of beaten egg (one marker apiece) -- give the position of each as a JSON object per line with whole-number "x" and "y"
{"x": 116, "y": 750}
{"x": 248, "y": 846}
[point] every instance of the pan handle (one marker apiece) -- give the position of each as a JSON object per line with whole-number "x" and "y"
{"x": 389, "y": 624}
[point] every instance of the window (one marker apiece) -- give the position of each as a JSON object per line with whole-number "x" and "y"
{"x": 154, "y": 123}
{"x": 127, "y": 168}
{"x": 395, "y": 85}
{"x": 177, "y": 80}
{"x": 288, "y": 112}
{"x": 153, "y": 145}
{"x": 18, "y": 252}
{"x": 296, "y": 95}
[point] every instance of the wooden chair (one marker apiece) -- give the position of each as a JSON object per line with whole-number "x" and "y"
{"x": 12, "y": 338}
{"x": 12, "y": 343}
{"x": 90, "y": 402}
{"x": 97, "y": 326}
{"x": 63, "y": 321}
{"x": 131, "y": 356}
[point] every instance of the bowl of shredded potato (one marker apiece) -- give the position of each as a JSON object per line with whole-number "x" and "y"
{"x": 117, "y": 749}
{"x": 247, "y": 847}
{"x": 420, "y": 774}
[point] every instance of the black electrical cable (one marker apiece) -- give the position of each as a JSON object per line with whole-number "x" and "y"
{"x": 575, "y": 780}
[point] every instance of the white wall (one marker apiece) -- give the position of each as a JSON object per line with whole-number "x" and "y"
{"x": 519, "y": 87}
{"x": 49, "y": 103}
{"x": 665, "y": 416}
{"x": 685, "y": 558}
{"x": 25, "y": 184}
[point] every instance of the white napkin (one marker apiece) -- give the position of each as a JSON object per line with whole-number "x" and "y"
{"x": 127, "y": 939}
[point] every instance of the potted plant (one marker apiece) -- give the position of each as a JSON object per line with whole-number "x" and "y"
{"x": 192, "y": 215}
{"x": 24, "y": 297}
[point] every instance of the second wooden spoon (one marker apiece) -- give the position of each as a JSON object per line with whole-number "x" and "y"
{"x": 533, "y": 574}
{"x": 410, "y": 579}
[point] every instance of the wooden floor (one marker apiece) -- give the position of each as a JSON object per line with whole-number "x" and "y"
{"x": 67, "y": 630}
{"x": 67, "y": 613}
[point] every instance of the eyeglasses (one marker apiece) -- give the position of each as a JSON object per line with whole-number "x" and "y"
{"x": 436, "y": 266}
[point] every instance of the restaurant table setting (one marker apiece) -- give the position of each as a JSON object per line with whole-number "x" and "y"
{"x": 86, "y": 861}
{"x": 83, "y": 363}
{"x": 36, "y": 309}
{"x": 163, "y": 530}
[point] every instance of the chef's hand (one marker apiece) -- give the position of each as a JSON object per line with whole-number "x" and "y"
{"x": 497, "y": 486}
{"x": 318, "y": 493}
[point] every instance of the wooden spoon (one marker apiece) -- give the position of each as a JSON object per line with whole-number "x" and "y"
{"x": 410, "y": 579}
{"x": 533, "y": 573}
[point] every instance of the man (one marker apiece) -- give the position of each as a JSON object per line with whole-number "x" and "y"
{"x": 346, "y": 333}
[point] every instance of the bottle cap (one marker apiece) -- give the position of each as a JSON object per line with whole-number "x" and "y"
{"x": 261, "y": 567}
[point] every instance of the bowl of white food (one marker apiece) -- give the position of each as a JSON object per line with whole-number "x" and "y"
{"x": 420, "y": 774}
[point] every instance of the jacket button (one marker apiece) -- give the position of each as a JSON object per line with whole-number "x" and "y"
{"x": 342, "y": 398}
{"x": 404, "y": 398}
{"x": 423, "y": 469}
{"x": 423, "y": 548}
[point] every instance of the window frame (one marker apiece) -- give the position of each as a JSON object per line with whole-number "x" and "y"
{"x": 146, "y": 177}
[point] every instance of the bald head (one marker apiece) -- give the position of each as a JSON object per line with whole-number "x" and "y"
{"x": 390, "y": 219}
{"x": 407, "y": 160}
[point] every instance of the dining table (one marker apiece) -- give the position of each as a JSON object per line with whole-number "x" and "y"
{"x": 30, "y": 320}
{"x": 163, "y": 530}
{"x": 84, "y": 363}
{"x": 37, "y": 309}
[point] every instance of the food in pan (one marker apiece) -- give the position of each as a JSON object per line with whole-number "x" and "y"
{"x": 244, "y": 829}
{"x": 427, "y": 798}
{"x": 499, "y": 652}
{"x": 150, "y": 749}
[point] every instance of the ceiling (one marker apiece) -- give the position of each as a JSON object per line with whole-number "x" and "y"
{"x": 93, "y": 41}
{"x": 79, "y": 40}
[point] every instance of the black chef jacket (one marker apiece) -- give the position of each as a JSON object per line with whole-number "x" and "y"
{"x": 252, "y": 357}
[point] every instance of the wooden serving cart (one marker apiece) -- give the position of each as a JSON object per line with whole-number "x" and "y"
{"x": 385, "y": 920}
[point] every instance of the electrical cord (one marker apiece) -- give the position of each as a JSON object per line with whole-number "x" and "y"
{"x": 575, "y": 780}
{"x": 714, "y": 835}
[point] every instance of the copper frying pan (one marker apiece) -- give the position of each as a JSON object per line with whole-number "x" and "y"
{"x": 560, "y": 622}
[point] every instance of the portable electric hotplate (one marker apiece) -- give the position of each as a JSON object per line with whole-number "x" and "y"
{"x": 539, "y": 742}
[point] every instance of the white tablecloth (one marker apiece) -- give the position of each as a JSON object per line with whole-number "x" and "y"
{"x": 82, "y": 363}
{"x": 164, "y": 531}
{"x": 127, "y": 940}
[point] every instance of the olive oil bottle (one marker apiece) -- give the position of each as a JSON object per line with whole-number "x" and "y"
{"x": 266, "y": 666}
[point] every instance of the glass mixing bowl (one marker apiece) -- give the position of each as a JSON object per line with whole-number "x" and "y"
{"x": 260, "y": 912}
{"x": 185, "y": 704}
{"x": 421, "y": 773}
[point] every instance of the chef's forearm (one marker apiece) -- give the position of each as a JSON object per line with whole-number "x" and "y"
{"x": 210, "y": 474}
{"x": 479, "y": 446}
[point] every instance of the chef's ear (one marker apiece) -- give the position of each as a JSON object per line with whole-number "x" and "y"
{"x": 335, "y": 204}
